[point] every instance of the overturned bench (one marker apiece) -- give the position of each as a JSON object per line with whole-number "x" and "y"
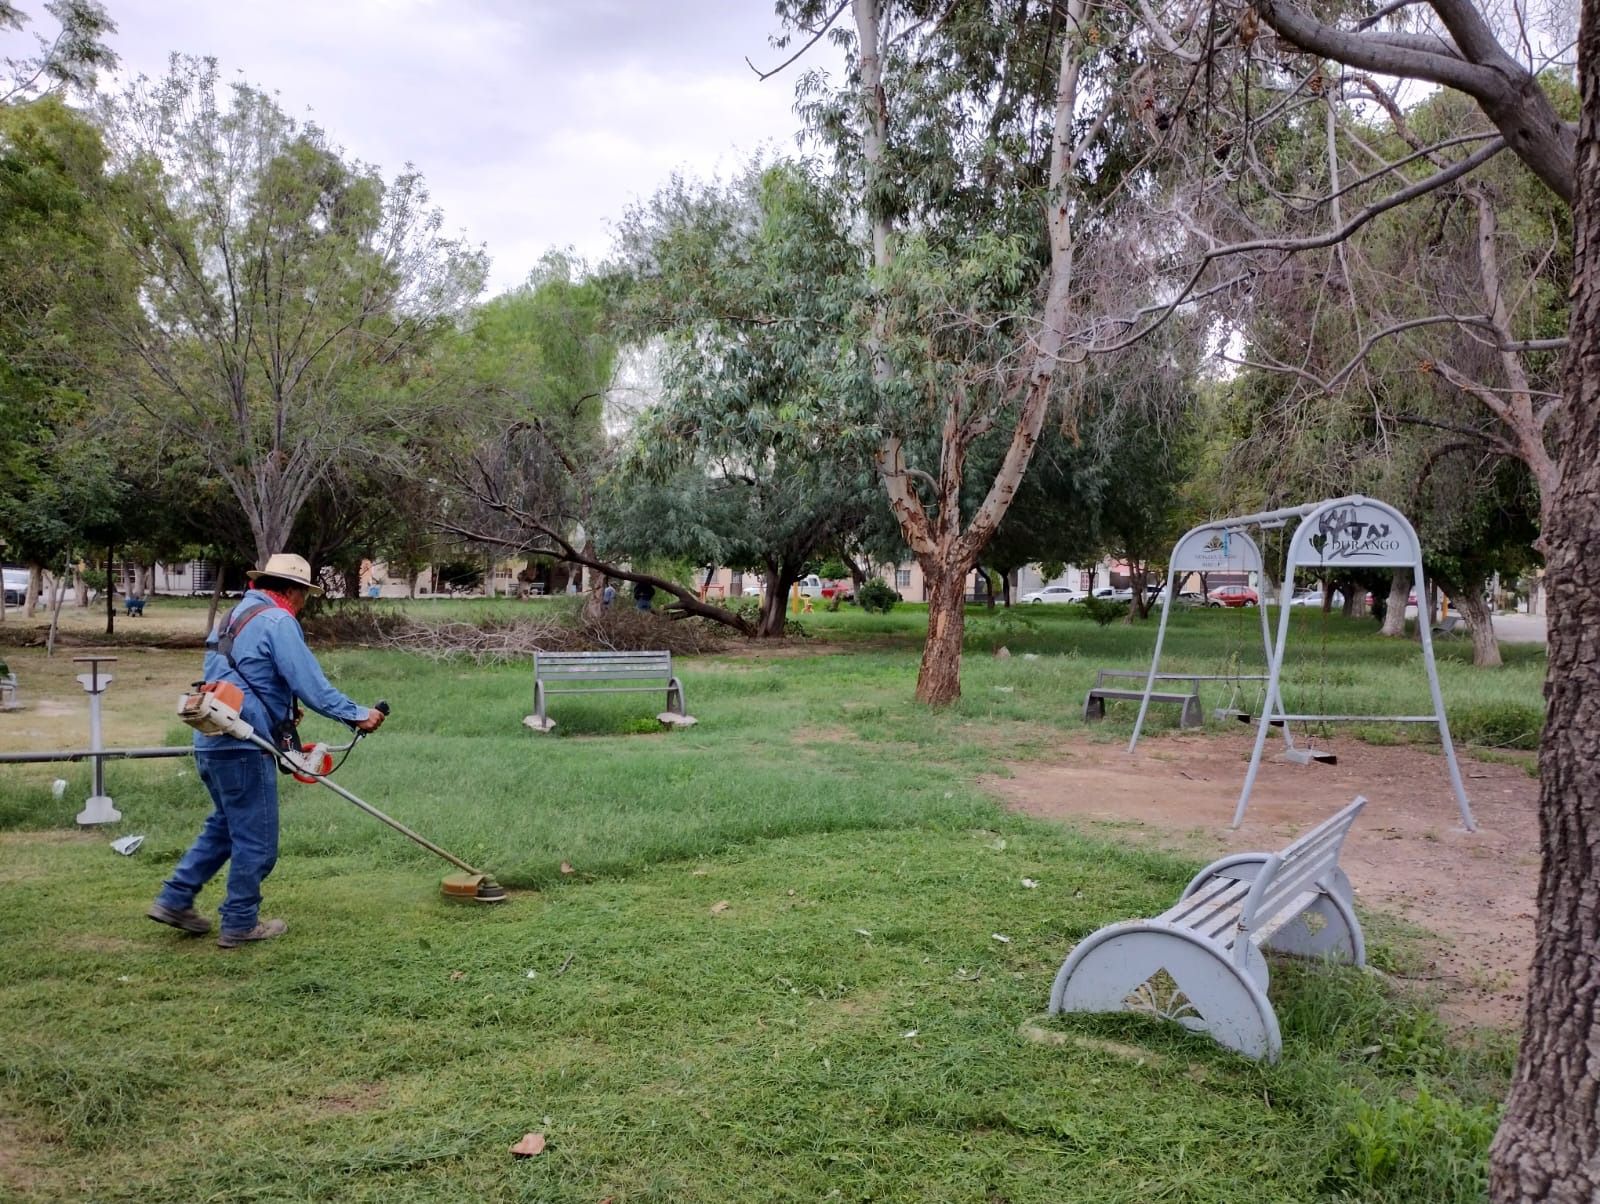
{"x": 1200, "y": 963}
{"x": 1094, "y": 703}
{"x": 578, "y": 673}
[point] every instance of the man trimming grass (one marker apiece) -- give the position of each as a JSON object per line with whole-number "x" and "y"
{"x": 260, "y": 649}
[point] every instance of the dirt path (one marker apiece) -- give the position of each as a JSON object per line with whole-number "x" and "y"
{"x": 1407, "y": 856}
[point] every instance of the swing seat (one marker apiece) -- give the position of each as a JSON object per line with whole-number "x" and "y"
{"x": 1231, "y": 713}
{"x": 1306, "y": 756}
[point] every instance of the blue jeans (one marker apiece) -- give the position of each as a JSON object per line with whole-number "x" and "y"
{"x": 243, "y": 828}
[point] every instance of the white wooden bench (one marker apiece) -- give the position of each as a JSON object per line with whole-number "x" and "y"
{"x": 579, "y": 673}
{"x": 1094, "y": 703}
{"x": 1200, "y": 963}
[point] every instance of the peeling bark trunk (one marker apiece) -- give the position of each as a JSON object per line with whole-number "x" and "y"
{"x": 30, "y": 601}
{"x": 1548, "y": 1146}
{"x": 939, "y": 677}
{"x": 1394, "y": 616}
{"x": 80, "y": 590}
{"x": 1485, "y": 645}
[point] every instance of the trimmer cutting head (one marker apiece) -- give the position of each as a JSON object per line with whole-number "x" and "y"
{"x": 480, "y": 888}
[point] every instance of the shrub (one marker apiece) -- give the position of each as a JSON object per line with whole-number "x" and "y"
{"x": 1103, "y": 610}
{"x": 1502, "y": 724}
{"x": 1426, "y": 1147}
{"x": 877, "y": 598}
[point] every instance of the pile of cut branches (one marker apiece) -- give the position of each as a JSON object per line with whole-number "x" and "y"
{"x": 497, "y": 639}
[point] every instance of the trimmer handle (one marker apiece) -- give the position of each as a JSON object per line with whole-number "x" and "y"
{"x": 382, "y": 707}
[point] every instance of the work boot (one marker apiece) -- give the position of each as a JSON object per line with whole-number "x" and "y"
{"x": 263, "y": 931}
{"x": 188, "y": 919}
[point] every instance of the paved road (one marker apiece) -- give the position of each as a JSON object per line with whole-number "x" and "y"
{"x": 1520, "y": 629}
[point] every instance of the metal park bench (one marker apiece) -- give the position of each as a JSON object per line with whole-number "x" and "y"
{"x": 133, "y": 607}
{"x": 1450, "y": 625}
{"x": 1200, "y": 963}
{"x": 1094, "y": 703}
{"x": 578, "y": 673}
{"x": 10, "y": 699}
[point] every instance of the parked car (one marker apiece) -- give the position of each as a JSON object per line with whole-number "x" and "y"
{"x": 1411, "y": 599}
{"x": 1313, "y": 597}
{"x": 1055, "y": 593}
{"x": 1110, "y": 594}
{"x": 1233, "y": 595}
{"x": 16, "y": 586}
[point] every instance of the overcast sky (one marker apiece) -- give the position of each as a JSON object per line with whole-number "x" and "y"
{"x": 535, "y": 122}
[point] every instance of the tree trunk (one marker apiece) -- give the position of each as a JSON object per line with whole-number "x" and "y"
{"x": 774, "y": 606}
{"x": 111, "y": 606}
{"x": 80, "y": 589}
{"x": 1006, "y": 584}
{"x": 30, "y": 602}
{"x": 1485, "y": 645}
{"x": 1394, "y": 615}
{"x": 939, "y": 677}
{"x": 58, "y": 595}
{"x": 216, "y": 596}
{"x": 1548, "y": 1146}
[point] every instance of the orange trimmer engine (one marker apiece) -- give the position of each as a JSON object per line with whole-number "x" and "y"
{"x": 213, "y": 710}
{"x": 318, "y": 762}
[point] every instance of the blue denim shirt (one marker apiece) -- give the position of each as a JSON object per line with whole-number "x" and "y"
{"x": 277, "y": 668}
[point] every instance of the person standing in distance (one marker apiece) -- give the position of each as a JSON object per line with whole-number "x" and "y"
{"x": 261, "y": 649}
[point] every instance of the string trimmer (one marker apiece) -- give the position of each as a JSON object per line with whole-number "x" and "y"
{"x": 213, "y": 710}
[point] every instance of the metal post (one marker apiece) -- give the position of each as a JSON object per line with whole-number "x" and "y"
{"x": 1155, "y": 661}
{"x": 1268, "y": 698}
{"x": 1274, "y": 673}
{"x": 1426, "y": 632}
{"x": 97, "y": 809}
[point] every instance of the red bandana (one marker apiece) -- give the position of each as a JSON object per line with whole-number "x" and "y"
{"x": 282, "y": 601}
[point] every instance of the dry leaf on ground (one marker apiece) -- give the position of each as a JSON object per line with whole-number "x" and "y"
{"x": 720, "y": 906}
{"x": 531, "y": 1144}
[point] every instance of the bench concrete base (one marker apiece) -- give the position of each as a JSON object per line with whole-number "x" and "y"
{"x": 535, "y": 723}
{"x": 674, "y": 719}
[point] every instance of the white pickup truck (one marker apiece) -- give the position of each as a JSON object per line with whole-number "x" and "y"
{"x": 813, "y": 586}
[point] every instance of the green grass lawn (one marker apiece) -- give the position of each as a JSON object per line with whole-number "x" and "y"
{"x": 773, "y": 974}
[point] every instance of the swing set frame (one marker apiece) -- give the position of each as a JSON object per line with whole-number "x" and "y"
{"x": 1345, "y": 532}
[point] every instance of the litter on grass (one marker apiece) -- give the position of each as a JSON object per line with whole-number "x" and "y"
{"x": 1001, "y": 937}
{"x": 530, "y": 1145}
{"x": 1029, "y": 884}
{"x": 127, "y": 845}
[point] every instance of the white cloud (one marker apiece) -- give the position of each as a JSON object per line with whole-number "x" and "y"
{"x": 535, "y": 122}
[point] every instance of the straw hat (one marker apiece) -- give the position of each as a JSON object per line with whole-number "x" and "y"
{"x": 286, "y": 566}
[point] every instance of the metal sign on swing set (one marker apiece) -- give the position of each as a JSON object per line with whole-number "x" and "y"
{"x": 1356, "y": 534}
{"x": 1216, "y": 550}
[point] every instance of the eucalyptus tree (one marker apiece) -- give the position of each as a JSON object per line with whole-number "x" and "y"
{"x": 749, "y": 293}
{"x": 286, "y": 288}
{"x": 985, "y": 142}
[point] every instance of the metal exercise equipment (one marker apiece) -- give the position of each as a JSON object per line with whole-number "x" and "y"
{"x": 98, "y": 807}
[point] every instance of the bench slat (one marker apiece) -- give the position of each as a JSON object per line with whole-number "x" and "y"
{"x": 1132, "y": 695}
{"x": 602, "y": 673}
